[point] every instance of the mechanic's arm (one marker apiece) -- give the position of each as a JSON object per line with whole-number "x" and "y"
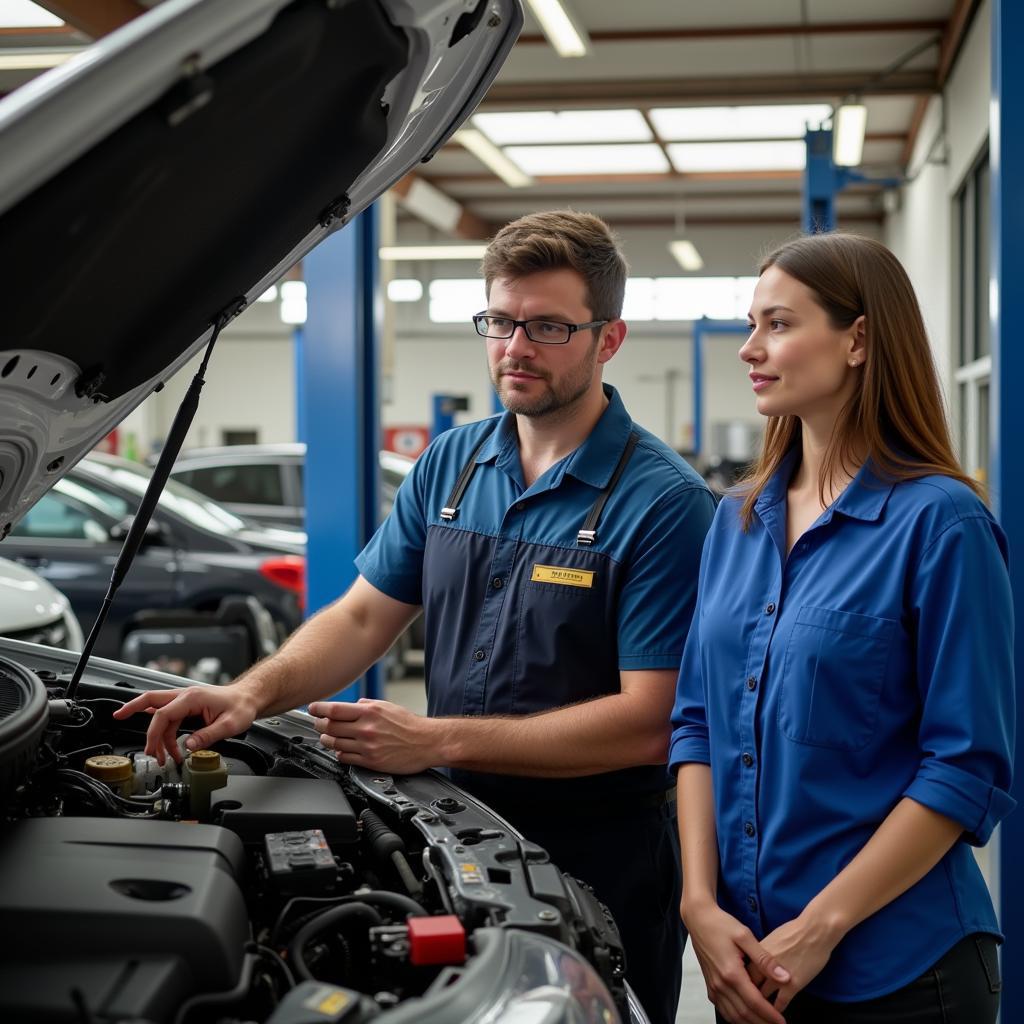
{"x": 322, "y": 657}
{"x": 617, "y": 731}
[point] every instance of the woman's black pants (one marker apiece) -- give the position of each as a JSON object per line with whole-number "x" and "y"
{"x": 962, "y": 988}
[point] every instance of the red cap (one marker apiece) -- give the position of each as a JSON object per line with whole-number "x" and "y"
{"x": 436, "y": 940}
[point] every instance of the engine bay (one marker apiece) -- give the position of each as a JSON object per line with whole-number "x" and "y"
{"x": 263, "y": 881}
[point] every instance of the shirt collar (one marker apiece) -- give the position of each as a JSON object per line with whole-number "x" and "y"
{"x": 593, "y": 462}
{"x": 864, "y": 498}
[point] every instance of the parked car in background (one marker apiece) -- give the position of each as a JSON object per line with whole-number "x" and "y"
{"x": 264, "y": 482}
{"x": 197, "y": 565}
{"x": 34, "y": 611}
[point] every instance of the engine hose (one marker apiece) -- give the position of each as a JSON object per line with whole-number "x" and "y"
{"x": 393, "y": 901}
{"x": 357, "y": 913}
{"x": 388, "y": 845}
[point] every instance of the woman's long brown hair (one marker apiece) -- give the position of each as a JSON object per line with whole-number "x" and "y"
{"x": 896, "y": 416}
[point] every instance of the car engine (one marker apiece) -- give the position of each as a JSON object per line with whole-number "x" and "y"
{"x": 262, "y": 881}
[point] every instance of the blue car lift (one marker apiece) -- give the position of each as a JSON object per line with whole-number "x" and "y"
{"x": 1006, "y": 162}
{"x": 338, "y": 366}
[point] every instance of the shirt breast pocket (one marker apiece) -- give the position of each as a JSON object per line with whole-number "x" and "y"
{"x": 832, "y": 677}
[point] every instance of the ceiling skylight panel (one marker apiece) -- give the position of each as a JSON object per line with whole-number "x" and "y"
{"x": 613, "y": 159}
{"x": 24, "y": 14}
{"x": 695, "y": 157}
{"x": 788, "y": 121}
{"x": 526, "y": 127}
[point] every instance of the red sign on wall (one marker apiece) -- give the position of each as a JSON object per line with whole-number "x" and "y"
{"x": 409, "y": 439}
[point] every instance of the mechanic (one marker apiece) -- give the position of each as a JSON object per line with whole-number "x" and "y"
{"x": 554, "y": 550}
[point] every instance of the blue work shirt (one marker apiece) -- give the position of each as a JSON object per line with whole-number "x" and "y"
{"x": 518, "y": 616}
{"x": 874, "y": 663}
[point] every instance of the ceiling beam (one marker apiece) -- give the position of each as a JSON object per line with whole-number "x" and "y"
{"x": 580, "y": 95}
{"x": 31, "y": 31}
{"x": 94, "y": 17}
{"x": 744, "y": 31}
{"x": 916, "y": 120}
{"x": 953, "y": 36}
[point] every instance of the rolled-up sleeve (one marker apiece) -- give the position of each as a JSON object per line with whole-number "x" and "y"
{"x": 689, "y": 715}
{"x": 963, "y": 613}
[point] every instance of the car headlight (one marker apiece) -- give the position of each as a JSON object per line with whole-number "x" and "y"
{"x": 520, "y": 978}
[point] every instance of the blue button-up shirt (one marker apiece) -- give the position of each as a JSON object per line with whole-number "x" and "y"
{"x": 873, "y": 663}
{"x": 518, "y": 616}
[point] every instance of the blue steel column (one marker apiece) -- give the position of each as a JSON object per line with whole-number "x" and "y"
{"x": 339, "y": 411}
{"x": 820, "y": 185}
{"x": 1006, "y": 157}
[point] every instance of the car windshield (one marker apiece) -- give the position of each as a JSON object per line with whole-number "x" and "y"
{"x": 176, "y": 498}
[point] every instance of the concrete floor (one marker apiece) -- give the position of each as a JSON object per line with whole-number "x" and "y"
{"x": 694, "y": 1007}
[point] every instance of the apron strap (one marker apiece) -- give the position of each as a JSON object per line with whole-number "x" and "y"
{"x": 451, "y": 508}
{"x": 588, "y": 534}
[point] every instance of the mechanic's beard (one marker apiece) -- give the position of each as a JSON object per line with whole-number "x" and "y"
{"x": 558, "y": 397}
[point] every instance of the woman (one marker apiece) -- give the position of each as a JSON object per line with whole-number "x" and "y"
{"x": 844, "y": 717}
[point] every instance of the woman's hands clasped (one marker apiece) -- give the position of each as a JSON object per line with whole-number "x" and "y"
{"x": 735, "y": 965}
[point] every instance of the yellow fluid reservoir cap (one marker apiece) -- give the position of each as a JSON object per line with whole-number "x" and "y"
{"x": 109, "y": 768}
{"x": 204, "y": 761}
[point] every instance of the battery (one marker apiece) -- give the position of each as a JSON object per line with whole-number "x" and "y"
{"x": 300, "y": 862}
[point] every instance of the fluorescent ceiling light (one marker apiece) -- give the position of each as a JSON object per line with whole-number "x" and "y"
{"x": 405, "y": 289}
{"x": 432, "y": 206}
{"x": 685, "y": 253}
{"x": 293, "y": 302}
{"x": 693, "y": 157}
{"x": 24, "y": 14}
{"x": 34, "y": 60}
{"x": 432, "y": 252}
{"x": 555, "y": 160}
{"x": 269, "y": 295}
{"x": 523, "y": 127}
{"x": 563, "y": 31}
{"x": 848, "y": 134}
{"x": 488, "y": 154}
{"x": 789, "y": 121}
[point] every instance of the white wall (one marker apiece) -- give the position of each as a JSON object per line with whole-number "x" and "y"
{"x": 921, "y": 233}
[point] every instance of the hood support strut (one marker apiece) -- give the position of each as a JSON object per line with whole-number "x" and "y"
{"x": 175, "y": 439}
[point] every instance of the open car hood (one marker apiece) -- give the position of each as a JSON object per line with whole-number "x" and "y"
{"x": 166, "y": 176}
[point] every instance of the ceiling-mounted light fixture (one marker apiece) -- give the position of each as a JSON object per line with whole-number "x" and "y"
{"x": 564, "y": 32}
{"x": 495, "y": 159}
{"x": 683, "y": 250}
{"x": 851, "y": 122}
{"x": 432, "y": 252}
{"x": 685, "y": 253}
{"x": 27, "y": 59}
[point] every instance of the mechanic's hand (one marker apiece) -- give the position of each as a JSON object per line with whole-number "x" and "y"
{"x": 377, "y": 734}
{"x": 227, "y": 711}
{"x": 804, "y": 949}
{"x": 724, "y": 948}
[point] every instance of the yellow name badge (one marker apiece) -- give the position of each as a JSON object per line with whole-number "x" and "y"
{"x": 567, "y": 577}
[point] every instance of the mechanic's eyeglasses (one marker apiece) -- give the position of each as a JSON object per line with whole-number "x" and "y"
{"x": 543, "y": 332}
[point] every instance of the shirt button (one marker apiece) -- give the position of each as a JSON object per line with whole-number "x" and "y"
{"x": 752, "y": 903}
{"x": 520, "y": 505}
{"x": 770, "y": 609}
{"x": 497, "y": 583}
{"x": 748, "y": 828}
{"x": 747, "y": 760}
{"x": 480, "y": 655}
{"x": 751, "y": 683}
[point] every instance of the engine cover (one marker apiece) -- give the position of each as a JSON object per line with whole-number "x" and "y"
{"x": 134, "y": 915}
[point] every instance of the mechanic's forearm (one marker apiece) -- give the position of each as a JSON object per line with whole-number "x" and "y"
{"x": 904, "y": 848}
{"x": 698, "y": 840}
{"x": 601, "y": 735}
{"x": 323, "y": 656}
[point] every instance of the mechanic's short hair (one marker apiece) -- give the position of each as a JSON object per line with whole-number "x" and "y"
{"x": 557, "y": 240}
